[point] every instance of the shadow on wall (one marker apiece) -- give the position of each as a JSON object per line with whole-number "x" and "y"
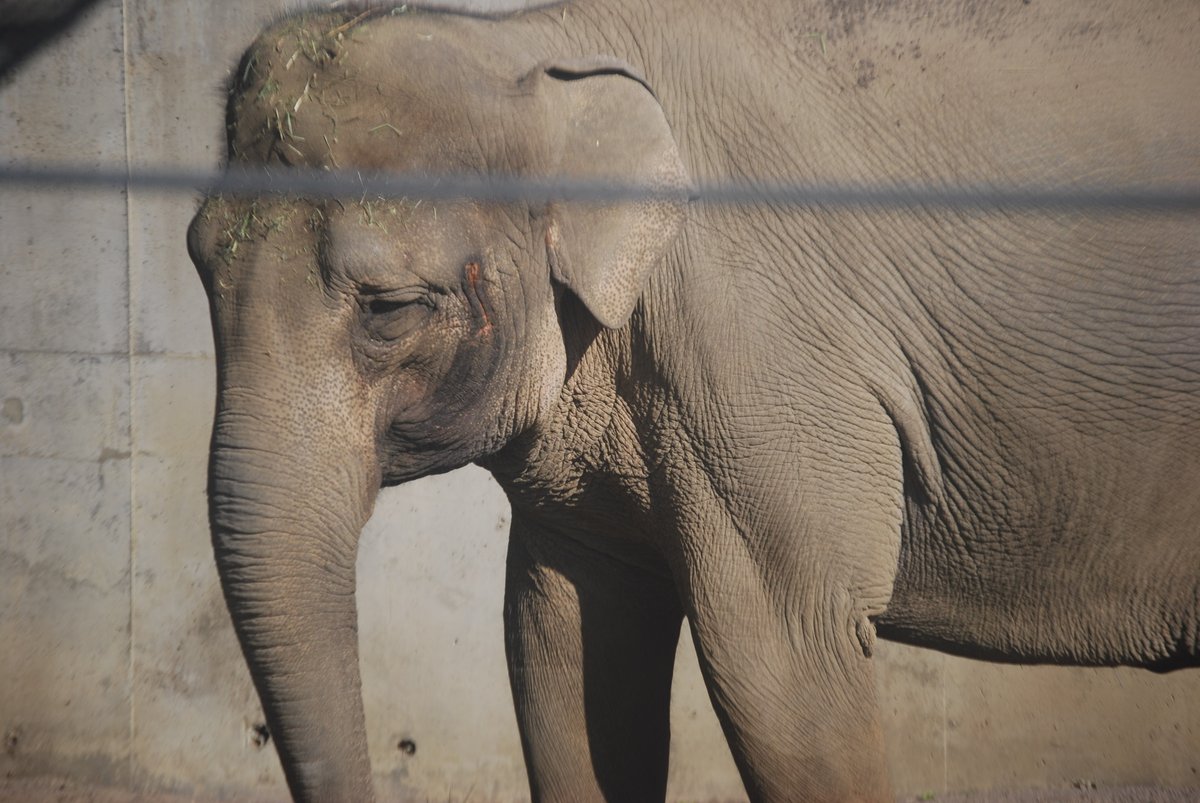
{"x": 26, "y": 26}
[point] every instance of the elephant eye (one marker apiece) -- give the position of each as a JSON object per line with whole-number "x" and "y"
{"x": 384, "y": 306}
{"x": 388, "y": 302}
{"x": 393, "y": 314}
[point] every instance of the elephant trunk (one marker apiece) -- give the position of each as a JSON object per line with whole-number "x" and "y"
{"x": 286, "y": 515}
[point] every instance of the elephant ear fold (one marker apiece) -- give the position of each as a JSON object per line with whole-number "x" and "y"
{"x": 606, "y": 124}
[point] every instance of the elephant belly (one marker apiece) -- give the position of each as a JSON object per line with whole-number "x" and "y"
{"x": 1092, "y": 561}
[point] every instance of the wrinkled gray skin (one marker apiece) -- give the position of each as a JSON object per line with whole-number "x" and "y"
{"x": 794, "y": 427}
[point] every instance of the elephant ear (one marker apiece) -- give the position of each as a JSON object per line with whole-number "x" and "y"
{"x": 606, "y": 123}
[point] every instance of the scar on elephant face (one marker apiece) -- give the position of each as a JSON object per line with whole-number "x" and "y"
{"x": 476, "y": 298}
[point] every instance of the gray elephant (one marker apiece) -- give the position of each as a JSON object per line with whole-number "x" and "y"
{"x": 793, "y": 427}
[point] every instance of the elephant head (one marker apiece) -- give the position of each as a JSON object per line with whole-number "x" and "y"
{"x": 364, "y": 342}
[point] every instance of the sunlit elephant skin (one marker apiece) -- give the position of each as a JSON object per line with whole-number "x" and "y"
{"x": 791, "y": 427}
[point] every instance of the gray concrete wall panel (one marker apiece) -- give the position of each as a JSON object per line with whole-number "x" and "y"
{"x": 62, "y": 268}
{"x": 64, "y": 422}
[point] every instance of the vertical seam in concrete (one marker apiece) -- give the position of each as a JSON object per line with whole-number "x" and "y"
{"x": 131, "y": 340}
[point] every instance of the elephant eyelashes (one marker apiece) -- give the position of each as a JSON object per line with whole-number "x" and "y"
{"x": 386, "y": 306}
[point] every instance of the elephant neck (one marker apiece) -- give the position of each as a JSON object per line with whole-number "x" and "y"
{"x": 583, "y": 465}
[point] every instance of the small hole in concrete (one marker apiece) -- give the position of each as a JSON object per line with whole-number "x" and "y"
{"x": 259, "y": 735}
{"x": 407, "y": 746}
{"x": 11, "y": 740}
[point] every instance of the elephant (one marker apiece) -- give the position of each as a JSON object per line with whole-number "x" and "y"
{"x": 794, "y": 428}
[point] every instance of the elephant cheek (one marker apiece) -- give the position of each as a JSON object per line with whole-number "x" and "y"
{"x": 439, "y": 424}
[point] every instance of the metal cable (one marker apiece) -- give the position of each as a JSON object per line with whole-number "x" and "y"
{"x": 506, "y": 189}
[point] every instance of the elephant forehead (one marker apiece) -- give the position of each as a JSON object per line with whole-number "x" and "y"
{"x": 388, "y": 243}
{"x": 388, "y": 93}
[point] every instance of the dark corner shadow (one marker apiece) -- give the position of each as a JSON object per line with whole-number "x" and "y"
{"x": 26, "y": 27}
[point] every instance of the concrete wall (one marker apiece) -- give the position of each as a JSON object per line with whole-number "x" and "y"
{"x": 118, "y": 665}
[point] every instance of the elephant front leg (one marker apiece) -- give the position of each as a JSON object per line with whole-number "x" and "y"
{"x": 784, "y": 648}
{"x": 591, "y": 648}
